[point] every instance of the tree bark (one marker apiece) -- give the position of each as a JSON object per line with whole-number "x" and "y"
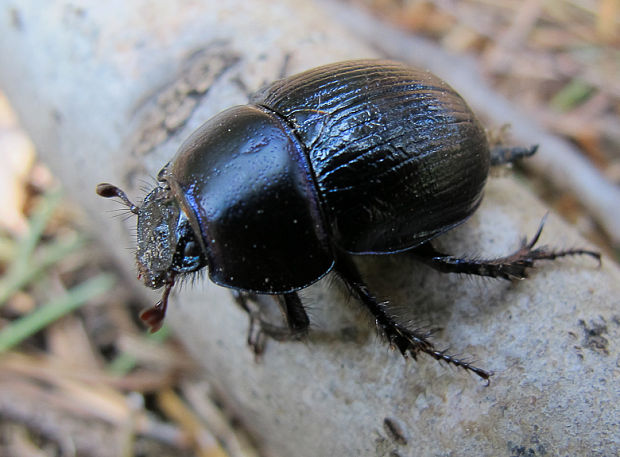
{"x": 108, "y": 91}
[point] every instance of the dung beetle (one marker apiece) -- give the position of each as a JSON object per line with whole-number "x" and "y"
{"x": 356, "y": 157}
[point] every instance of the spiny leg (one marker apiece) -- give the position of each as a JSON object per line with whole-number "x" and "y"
{"x": 407, "y": 341}
{"x": 512, "y": 266}
{"x": 292, "y": 309}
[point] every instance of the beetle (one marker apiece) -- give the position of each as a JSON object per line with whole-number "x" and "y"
{"x": 357, "y": 157}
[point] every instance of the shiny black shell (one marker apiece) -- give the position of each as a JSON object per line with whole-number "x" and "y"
{"x": 364, "y": 157}
{"x": 398, "y": 157}
{"x": 244, "y": 181}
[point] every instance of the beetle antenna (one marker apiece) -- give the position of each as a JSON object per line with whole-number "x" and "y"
{"x": 109, "y": 191}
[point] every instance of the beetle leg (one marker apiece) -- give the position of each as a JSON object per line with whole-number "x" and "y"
{"x": 512, "y": 266}
{"x": 408, "y": 342}
{"x": 292, "y": 309}
{"x": 256, "y": 337}
{"x": 294, "y": 313}
{"x": 507, "y": 154}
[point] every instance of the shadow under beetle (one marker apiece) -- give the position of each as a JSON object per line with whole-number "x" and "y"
{"x": 357, "y": 157}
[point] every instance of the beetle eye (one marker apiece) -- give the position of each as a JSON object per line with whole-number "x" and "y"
{"x": 191, "y": 249}
{"x": 189, "y": 256}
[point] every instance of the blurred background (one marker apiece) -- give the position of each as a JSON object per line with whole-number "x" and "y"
{"x": 78, "y": 371}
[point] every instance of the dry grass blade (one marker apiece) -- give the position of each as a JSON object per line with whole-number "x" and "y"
{"x": 234, "y": 440}
{"x": 75, "y": 393}
{"x": 205, "y": 443}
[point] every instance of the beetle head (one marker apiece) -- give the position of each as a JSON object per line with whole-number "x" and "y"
{"x": 166, "y": 242}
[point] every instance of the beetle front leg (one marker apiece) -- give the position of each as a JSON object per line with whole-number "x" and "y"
{"x": 407, "y": 341}
{"x": 292, "y": 309}
{"x": 512, "y": 266}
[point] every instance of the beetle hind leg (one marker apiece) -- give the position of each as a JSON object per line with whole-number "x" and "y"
{"x": 512, "y": 266}
{"x": 293, "y": 311}
{"x": 408, "y": 342}
{"x": 508, "y": 154}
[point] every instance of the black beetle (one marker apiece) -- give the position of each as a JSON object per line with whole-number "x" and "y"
{"x": 357, "y": 157}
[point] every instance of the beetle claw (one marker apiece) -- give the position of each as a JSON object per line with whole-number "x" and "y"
{"x": 516, "y": 264}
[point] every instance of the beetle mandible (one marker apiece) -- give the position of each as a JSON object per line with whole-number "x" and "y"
{"x": 356, "y": 157}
